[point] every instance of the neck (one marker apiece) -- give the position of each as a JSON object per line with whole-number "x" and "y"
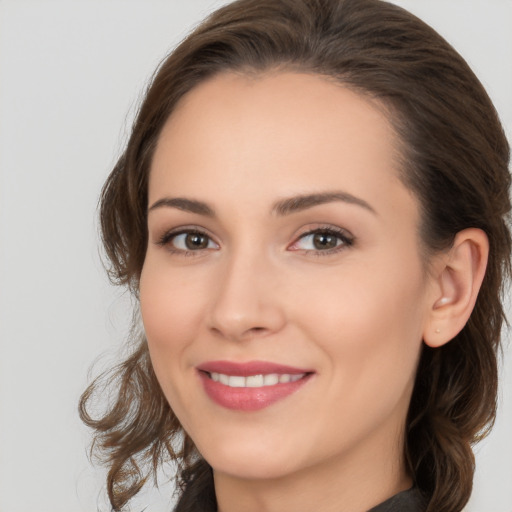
{"x": 354, "y": 483}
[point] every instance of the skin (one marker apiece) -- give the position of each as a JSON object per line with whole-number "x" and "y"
{"x": 261, "y": 290}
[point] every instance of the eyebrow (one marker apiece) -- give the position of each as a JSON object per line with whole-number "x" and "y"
{"x": 303, "y": 202}
{"x": 281, "y": 208}
{"x": 182, "y": 203}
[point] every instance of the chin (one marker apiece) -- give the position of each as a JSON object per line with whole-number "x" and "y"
{"x": 253, "y": 469}
{"x": 250, "y": 461}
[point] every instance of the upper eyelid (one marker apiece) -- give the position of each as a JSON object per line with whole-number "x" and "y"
{"x": 341, "y": 232}
{"x": 330, "y": 229}
{"x": 174, "y": 236}
{"x": 186, "y": 229}
{"x": 166, "y": 239}
{"x": 167, "y": 235}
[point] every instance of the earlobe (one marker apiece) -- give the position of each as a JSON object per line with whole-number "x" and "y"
{"x": 458, "y": 277}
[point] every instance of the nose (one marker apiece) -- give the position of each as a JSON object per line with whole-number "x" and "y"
{"x": 247, "y": 301}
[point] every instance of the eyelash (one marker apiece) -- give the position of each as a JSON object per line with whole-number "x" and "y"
{"x": 166, "y": 239}
{"x": 347, "y": 240}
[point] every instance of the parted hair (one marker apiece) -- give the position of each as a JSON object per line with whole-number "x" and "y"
{"x": 454, "y": 158}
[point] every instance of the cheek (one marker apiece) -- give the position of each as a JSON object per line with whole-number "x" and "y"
{"x": 171, "y": 313}
{"x": 171, "y": 310}
{"x": 372, "y": 340}
{"x": 368, "y": 322}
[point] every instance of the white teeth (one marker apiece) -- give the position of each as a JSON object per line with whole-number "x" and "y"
{"x": 255, "y": 381}
{"x": 271, "y": 379}
{"x": 236, "y": 381}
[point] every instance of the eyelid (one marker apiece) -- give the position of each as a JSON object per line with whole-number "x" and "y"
{"x": 166, "y": 238}
{"x": 347, "y": 240}
{"x": 345, "y": 236}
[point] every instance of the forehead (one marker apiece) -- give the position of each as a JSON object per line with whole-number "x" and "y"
{"x": 275, "y": 134}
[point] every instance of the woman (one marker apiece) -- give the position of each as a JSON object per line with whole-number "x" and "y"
{"x": 311, "y": 210}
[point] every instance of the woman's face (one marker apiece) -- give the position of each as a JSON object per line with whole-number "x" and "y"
{"x": 283, "y": 293}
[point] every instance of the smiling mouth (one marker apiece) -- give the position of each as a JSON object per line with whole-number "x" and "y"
{"x": 254, "y": 381}
{"x": 251, "y": 386}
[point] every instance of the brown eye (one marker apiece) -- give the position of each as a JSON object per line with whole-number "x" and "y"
{"x": 187, "y": 241}
{"x": 322, "y": 241}
{"x": 194, "y": 241}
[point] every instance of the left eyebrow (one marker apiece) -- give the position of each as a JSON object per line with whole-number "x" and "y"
{"x": 302, "y": 202}
{"x": 182, "y": 203}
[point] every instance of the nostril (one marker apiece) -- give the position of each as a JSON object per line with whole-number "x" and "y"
{"x": 241, "y": 320}
{"x": 256, "y": 330}
{"x": 242, "y": 335}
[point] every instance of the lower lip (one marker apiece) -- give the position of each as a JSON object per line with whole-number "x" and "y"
{"x": 249, "y": 399}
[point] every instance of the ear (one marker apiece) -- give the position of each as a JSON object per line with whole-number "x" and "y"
{"x": 457, "y": 278}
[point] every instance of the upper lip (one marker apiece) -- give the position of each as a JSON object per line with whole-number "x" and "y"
{"x": 249, "y": 368}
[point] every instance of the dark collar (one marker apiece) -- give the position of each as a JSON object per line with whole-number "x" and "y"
{"x": 407, "y": 501}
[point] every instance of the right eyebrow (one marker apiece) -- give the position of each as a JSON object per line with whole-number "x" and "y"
{"x": 187, "y": 205}
{"x": 303, "y": 202}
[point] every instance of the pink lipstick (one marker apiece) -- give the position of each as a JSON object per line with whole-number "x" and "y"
{"x": 250, "y": 386}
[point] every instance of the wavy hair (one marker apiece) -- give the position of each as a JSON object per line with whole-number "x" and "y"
{"x": 455, "y": 159}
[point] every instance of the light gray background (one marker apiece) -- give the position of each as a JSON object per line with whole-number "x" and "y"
{"x": 71, "y": 73}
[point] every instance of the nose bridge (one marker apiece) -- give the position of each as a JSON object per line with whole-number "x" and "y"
{"x": 246, "y": 302}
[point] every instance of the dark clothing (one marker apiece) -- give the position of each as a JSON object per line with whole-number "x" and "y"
{"x": 406, "y": 501}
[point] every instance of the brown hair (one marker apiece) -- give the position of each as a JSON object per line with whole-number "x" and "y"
{"x": 455, "y": 160}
